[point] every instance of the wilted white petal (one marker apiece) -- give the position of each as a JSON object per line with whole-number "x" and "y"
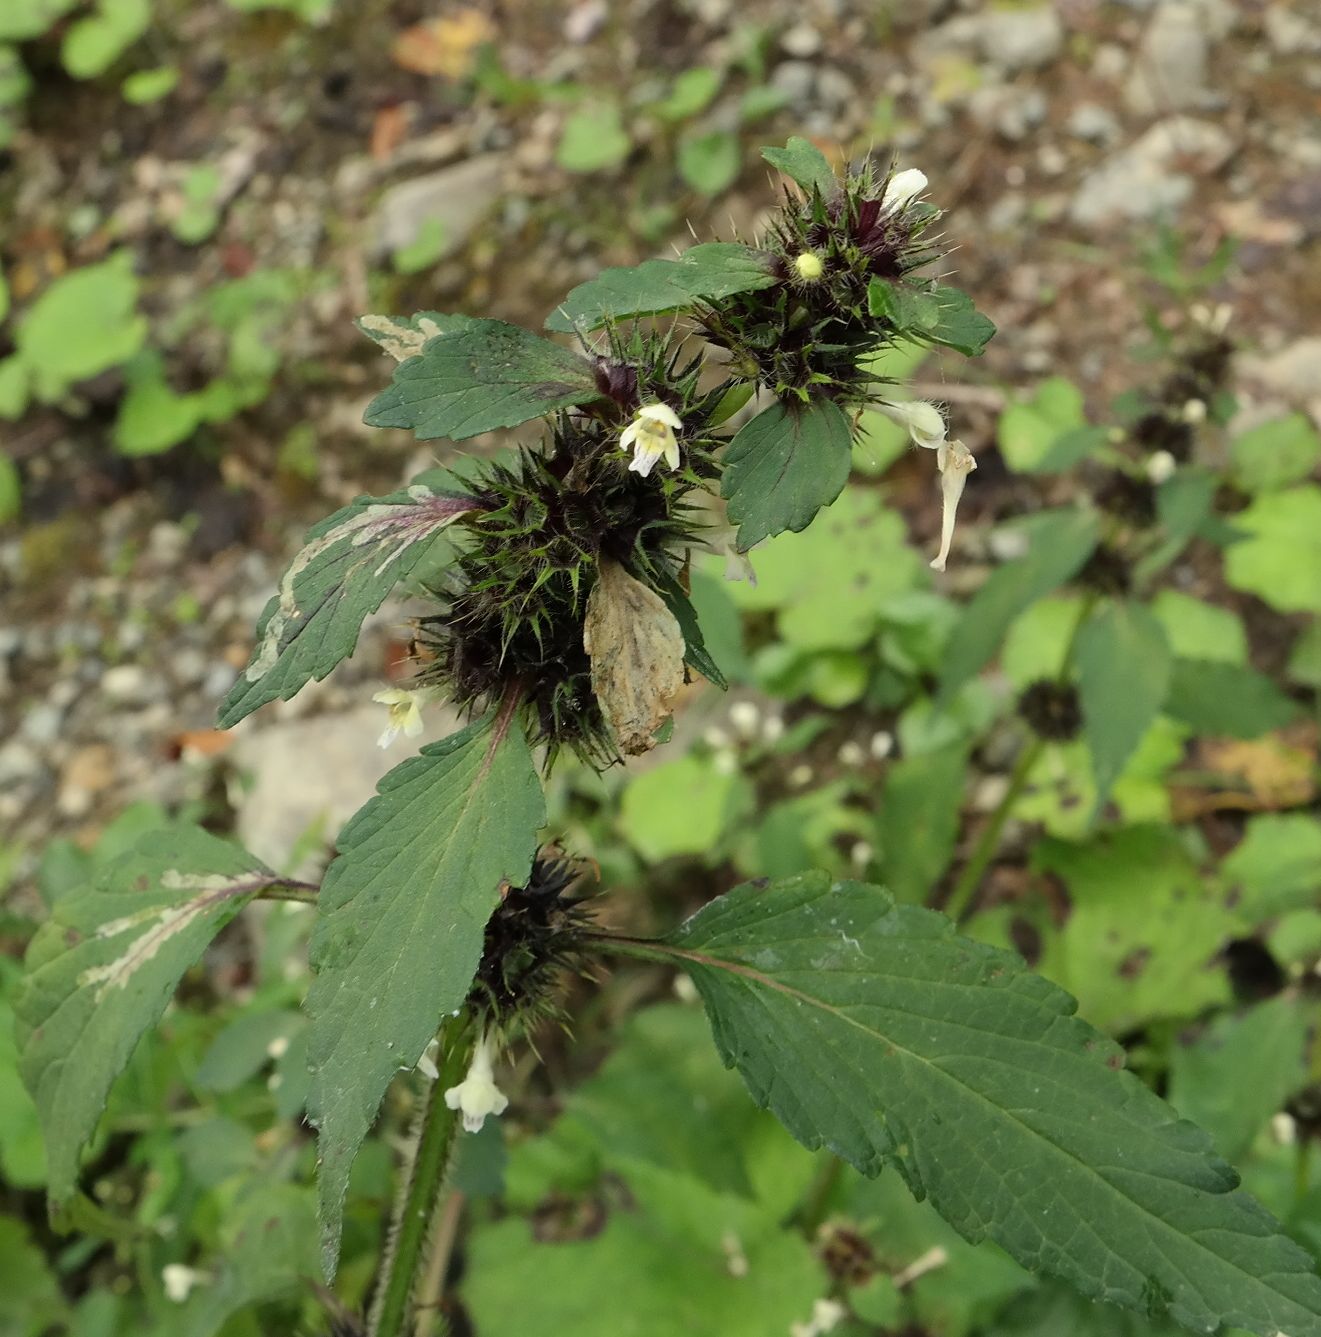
{"x": 955, "y": 462}
{"x": 904, "y": 187}
{"x": 923, "y": 421}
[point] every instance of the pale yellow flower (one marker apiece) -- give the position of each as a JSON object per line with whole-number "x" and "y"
{"x": 477, "y": 1095}
{"x": 955, "y": 462}
{"x": 405, "y": 713}
{"x": 650, "y": 436}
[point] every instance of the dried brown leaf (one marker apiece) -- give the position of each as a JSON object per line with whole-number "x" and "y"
{"x": 636, "y": 648}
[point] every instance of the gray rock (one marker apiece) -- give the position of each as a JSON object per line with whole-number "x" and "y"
{"x": 1020, "y": 111}
{"x": 1021, "y": 39}
{"x": 1094, "y": 123}
{"x": 1141, "y": 181}
{"x": 41, "y": 724}
{"x": 317, "y": 772}
{"x": 1289, "y": 32}
{"x": 801, "y": 41}
{"x": 459, "y": 198}
{"x": 1293, "y": 372}
{"x": 1169, "y": 73}
{"x": 834, "y": 88}
{"x": 795, "y": 79}
{"x": 18, "y": 763}
{"x": 129, "y": 684}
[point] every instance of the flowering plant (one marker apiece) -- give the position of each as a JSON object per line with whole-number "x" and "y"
{"x": 560, "y": 618}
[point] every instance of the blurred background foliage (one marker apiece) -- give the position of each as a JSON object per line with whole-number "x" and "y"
{"x": 197, "y": 196}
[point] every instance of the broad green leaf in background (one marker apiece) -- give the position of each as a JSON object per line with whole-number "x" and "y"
{"x": 102, "y": 969}
{"x": 593, "y": 138}
{"x": 1232, "y": 700}
{"x": 681, "y": 807}
{"x": 830, "y": 585}
{"x": 84, "y": 323}
{"x": 1196, "y": 629}
{"x": 1279, "y": 558}
{"x": 94, "y": 43}
{"x": 1123, "y": 677}
{"x": 1275, "y": 454}
{"x": 486, "y": 375}
{"x": 1029, "y": 429}
{"x": 30, "y": 1300}
{"x": 1240, "y": 1071}
{"x": 876, "y": 1030}
{"x": 690, "y": 94}
{"x": 22, "y": 1154}
{"x": 349, "y": 564}
{"x": 1145, "y": 931}
{"x": 802, "y": 162}
{"x": 712, "y": 270}
{"x": 152, "y": 415}
{"x": 24, "y": 19}
{"x": 783, "y": 467}
{"x": 399, "y": 933}
{"x": 1059, "y": 543}
{"x": 1055, "y": 1311}
{"x": 710, "y": 162}
{"x": 917, "y": 820}
{"x": 143, "y": 87}
{"x": 1276, "y": 867}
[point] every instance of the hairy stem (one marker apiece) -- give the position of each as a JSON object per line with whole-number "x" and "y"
{"x": 961, "y": 900}
{"x": 405, "y": 1255}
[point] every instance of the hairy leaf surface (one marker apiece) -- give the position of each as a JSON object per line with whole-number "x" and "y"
{"x": 102, "y": 969}
{"x": 783, "y": 467}
{"x": 348, "y": 565}
{"x": 876, "y": 1030}
{"x": 399, "y": 935}
{"x": 488, "y": 374}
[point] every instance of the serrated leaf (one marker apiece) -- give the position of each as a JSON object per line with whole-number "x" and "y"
{"x": 486, "y": 375}
{"x": 876, "y": 1030}
{"x": 1060, "y": 542}
{"x": 695, "y": 653}
{"x": 1230, "y": 700}
{"x": 908, "y": 309}
{"x": 349, "y": 563}
{"x": 917, "y": 822}
{"x": 1281, "y": 553}
{"x": 802, "y": 162}
{"x": 399, "y": 935}
{"x": 102, "y": 969}
{"x": 960, "y": 326}
{"x": 1275, "y": 454}
{"x": 1123, "y": 678}
{"x": 406, "y": 336}
{"x": 712, "y": 270}
{"x": 783, "y": 467}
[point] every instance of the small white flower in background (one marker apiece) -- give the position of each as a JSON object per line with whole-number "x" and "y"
{"x": 861, "y": 854}
{"x": 725, "y": 763}
{"x": 826, "y": 1315}
{"x": 882, "y": 744}
{"x": 851, "y": 755}
{"x": 1194, "y": 411}
{"x": 405, "y": 712}
{"x": 955, "y": 462}
{"x": 278, "y": 1047}
{"x": 1283, "y": 1127}
{"x": 745, "y": 716}
{"x": 715, "y": 737}
{"x": 801, "y": 776}
{"x": 773, "y": 729}
{"x": 923, "y": 421}
{"x": 477, "y": 1095}
{"x": 904, "y": 187}
{"x": 808, "y": 266}
{"x": 650, "y": 436}
{"x": 179, "y": 1281}
{"x": 1161, "y": 466}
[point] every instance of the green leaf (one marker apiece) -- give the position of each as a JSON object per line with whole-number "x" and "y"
{"x": 83, "y": 324}
{"x": 801, "y": 161}
{"x": 406, "y": 336}
{"x": 710, "y": 163}
{"x": 348, "y": 565}
{"x": 1276, "y": 454}
{"x": 102, "y": 969}
{"x": 1196, "y": 629}
{"x": 152, "y": 416}
{"x": 486, "y": 375}
{"x": 1276, "y": 867}
{"x": 1240, "y": 1072}
{"x": 1229, "y": 700}
{"x": 1123, "y": 678}
{"x": 783, "y": 467}
{"x": 695, "y": 653}
{"x": 92, "y": 45}
{"x": 397, "y": 941}
{"x": 1279, "y": 558}
{"x": 918, "y": 821}
{"x": 11, "y": 491}
{"x": 1060, "y": 542}
{"x": 593, "y": 138}
{"x": 712, "y": 270}
{"x": 146, "y": 86}
{"x": 1028, "y": 430}
{"x": 875, "y": 1030}
{"x": 908, "y": 309}
{"x": 681, "y": 807}
{"x": 24, "y": 19}
{"x": 1144, "y": 931}
{"x": 961, "y": 326}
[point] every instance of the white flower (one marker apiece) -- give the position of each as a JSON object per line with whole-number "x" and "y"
{"x": 851, "y": 755}
{"x": 745, "y": 716}
{"x": 904, "y": 187}
{"x": 405, "y": 712}
{"x": 882, "y": 744}
{"x": 1161, "y": 466}
{"x": 477, "y": 1095}
{"x": 923, "y": 421}
{"x": 826, "y": 1315}
{"x": 180, "y": 1280}
{"x": 955, "y": 462}
{"x": 651, "y": 437}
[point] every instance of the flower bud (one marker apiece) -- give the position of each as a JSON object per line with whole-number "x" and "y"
{"x": 808, "y": 266}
